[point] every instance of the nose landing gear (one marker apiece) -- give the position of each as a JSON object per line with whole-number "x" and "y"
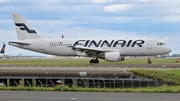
{"x": 149, "y": 60}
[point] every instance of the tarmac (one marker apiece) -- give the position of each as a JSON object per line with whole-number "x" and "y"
{"x": 94, "y": 67}
{"x": 85, "y": 96}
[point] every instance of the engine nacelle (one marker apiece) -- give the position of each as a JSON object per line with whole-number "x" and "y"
{"x": 113, "y": 56}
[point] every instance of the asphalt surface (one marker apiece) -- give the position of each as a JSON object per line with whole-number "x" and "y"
{"x": 85, "y": 96}
{"x": 95, "y": 68}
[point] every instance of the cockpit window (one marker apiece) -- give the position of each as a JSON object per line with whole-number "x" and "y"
{"x": 160, "y": 44}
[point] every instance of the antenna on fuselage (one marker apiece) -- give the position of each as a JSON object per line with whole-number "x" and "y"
{"x": 62, "y": 36}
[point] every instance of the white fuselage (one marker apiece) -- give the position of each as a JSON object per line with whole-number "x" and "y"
{"x": 127, "y": 47}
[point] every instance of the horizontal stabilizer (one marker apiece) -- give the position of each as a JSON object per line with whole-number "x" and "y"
{"x": 18, "y": 43}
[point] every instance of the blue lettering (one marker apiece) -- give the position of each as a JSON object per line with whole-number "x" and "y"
{"x": 78, "y": 42}
{"x": 113, "y": 43}
{"x": 86, "y": 44}
{"x": 107, "y": 43}
{"x": 95, "y": 44}
{"x": 119, "y": 42}
{"x": 129, "y": 43}
{"x": 138, "y": 42}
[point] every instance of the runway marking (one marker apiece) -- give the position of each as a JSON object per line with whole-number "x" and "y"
{"x": 73, "y": 98}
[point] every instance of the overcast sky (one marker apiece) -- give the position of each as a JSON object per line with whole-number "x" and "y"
{"x": 158, "y": 19}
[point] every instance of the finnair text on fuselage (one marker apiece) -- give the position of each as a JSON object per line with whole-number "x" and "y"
{"x": 112, "y": 43}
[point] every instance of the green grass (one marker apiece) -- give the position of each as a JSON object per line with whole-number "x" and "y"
{"x": 168, "y": 75}
{"x": 78, "y": 62}
{"x": 44, "y": 62}
{"x": 162, "y": 89}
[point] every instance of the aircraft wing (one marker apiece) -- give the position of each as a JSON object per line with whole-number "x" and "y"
{"x": 79, "y": 48}
{"x": 89, "y": 51}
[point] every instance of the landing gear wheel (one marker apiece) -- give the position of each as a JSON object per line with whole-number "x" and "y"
{"x": 91, "y": 61}
{"x": 149, "y": 62}
{"x": 94, "y": 61}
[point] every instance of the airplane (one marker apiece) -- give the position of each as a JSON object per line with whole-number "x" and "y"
{"x": 2, "y": 51}
{"x": 112, "y": 50}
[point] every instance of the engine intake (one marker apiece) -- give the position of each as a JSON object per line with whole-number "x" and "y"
{"x": 113, "y": 56}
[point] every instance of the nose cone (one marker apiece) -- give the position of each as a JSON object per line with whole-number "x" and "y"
{"x": 168, "y": 49}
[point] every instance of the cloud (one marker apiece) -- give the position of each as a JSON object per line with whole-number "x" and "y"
{"x": 143, "y": 0}
{"x": 118, "y": 7}
{"x": 99, "y": 1}
{"x": 2, "y": 1}
{"x": 171, "y": 19}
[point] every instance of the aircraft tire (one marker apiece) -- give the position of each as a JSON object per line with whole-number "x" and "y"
{"x": 149, "y": 62}
{"x": 94, "y": 61}
{"x": 91, "y": 61}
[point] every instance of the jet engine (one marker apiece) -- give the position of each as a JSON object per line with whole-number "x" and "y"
{"x": 113, "y": 56}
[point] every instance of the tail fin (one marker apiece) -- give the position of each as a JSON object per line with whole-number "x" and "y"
{"x": 3, "y": 49}
{"x": 23, "y": 29}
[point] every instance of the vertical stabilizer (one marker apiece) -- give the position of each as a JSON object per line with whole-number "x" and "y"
{"x": 23, "y": 29}
{"x": 3, "y": 49}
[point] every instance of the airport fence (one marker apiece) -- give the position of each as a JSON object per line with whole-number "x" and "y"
{"x": 87, "y": 82}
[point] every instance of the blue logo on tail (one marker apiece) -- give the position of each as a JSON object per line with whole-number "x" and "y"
{"x": 3, "y": 49}
{"x": 22, "y": 26}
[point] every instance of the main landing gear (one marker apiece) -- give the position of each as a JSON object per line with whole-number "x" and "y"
{"x": 149, "y": 60}
{"x": 94, "y": 61}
